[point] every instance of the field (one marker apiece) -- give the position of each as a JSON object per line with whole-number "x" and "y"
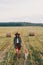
{"x": 34, "y": 44}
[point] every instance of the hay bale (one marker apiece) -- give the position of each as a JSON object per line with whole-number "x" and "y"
{"x": 31, "y": 34}
{"x": 8, "y": 34}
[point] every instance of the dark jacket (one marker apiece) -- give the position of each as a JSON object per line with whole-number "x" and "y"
{"x": 15, "y": 40}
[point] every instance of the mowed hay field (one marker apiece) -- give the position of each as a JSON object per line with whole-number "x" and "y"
{"x": 34, "y": 44}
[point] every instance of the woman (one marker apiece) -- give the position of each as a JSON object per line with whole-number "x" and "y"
{"x": 17, "y": 43}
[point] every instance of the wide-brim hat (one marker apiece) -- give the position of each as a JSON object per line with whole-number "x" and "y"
{"x": 17, "y": 33}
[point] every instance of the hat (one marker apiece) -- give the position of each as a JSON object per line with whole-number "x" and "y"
{"x": 17, "y": 33}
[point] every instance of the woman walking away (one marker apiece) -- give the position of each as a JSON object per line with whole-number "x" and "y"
{"x": 17, "y": 43}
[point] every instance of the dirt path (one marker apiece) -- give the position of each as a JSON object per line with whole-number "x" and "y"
{"x": 24, "y": 44}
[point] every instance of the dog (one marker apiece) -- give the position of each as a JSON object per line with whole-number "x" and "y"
{"x": 26, "y": 54}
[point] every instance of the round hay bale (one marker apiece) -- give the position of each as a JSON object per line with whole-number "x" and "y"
{"x": 8, "y": 34}
{"x": 31, "y": 34}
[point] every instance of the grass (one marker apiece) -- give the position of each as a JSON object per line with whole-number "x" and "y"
{"x": 33, "y": 44}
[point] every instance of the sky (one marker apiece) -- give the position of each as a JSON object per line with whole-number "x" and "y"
{"x": 21, "y": 10}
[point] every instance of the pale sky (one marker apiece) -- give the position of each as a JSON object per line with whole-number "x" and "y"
{"x": 21, "y": 10}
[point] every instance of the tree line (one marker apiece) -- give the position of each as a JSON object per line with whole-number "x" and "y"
{"x": 19, "y": 24}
